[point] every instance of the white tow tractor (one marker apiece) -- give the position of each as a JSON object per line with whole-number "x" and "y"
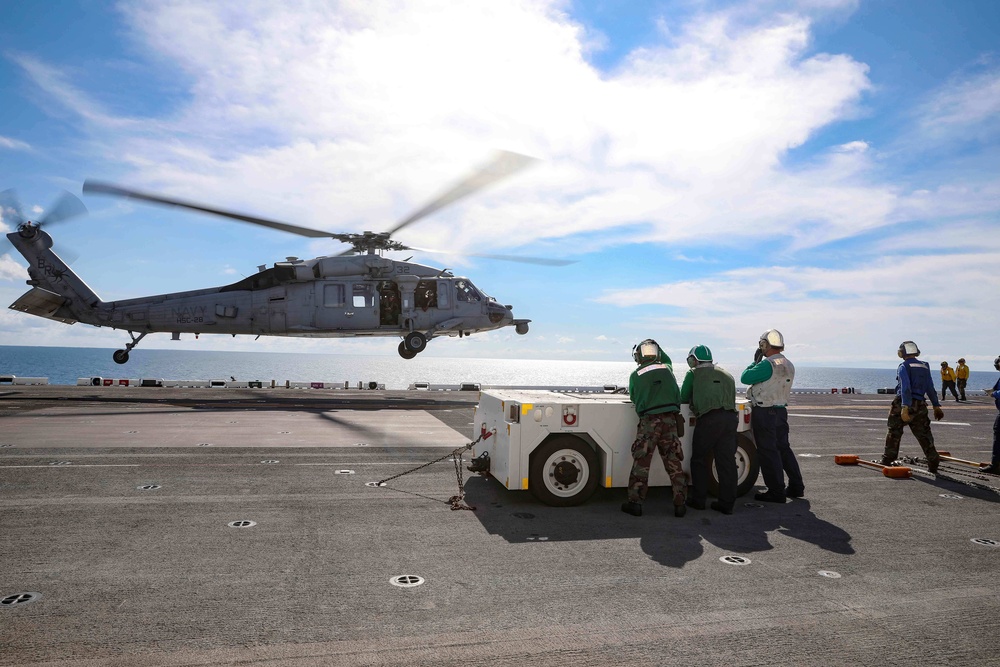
{"x": 561, "y": 445}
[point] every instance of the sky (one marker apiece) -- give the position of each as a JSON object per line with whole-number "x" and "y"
{"x": 713, "y": 168}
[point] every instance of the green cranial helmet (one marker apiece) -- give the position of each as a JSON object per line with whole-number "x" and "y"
{"x": 699, "y": 354}
{"x": 647, "y": 350}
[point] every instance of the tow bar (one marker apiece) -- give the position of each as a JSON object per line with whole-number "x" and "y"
{"x": 895, "y": 472}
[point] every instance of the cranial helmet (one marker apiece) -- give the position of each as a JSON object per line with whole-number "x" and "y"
{"x": 699, "y": 354}
{"x": 962, "y": 360}
{"x": 996, "y": 363}
{"x": 906, "y": 348}
{"x": 943, "y": 364}
{"x": 647, "y": 350}
{"x": 773, "y": 338}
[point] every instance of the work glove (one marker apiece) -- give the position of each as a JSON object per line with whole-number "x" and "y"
{"x": 938, "y": 413}
{"x": 758, "y": 355}
{"x": 904, "y": 414}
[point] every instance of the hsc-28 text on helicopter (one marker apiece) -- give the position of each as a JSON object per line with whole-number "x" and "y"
{"x": 357, "y": 293}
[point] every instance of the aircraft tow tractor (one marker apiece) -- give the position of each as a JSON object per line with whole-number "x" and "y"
{"x": 562, "y": 445}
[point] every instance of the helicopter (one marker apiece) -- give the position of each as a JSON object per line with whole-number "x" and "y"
{"x": 357, "y": 293}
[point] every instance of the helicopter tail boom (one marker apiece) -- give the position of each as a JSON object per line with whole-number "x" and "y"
{"x": 57, "y": 293}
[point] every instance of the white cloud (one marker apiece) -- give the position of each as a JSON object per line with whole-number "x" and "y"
{"x": 367, "y": 111}
{"x": 11, "y": 269}
{"x": 865, "y": 307}
{"x": 967, "y": 105}
{"x": 13, "y": 144}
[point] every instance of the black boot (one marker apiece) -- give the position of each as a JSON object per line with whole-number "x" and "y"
{"x": 993, "y": 469}
{"x": 719, "y": 507}
{"x": 635, "y": 509}
{"x": 770, "y": 497}
{"x": 680, "y": 510}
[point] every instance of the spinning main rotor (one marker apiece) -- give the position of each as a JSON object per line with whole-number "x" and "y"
{"x": 504, "y": 164}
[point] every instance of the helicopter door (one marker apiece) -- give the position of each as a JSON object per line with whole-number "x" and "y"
{"x": 277, "y": 306}
{"x": 331, "y": 305}
{"x": 346, "y": 306}
{"x": 444, "y": 289}
{"x": 361, "y": 310}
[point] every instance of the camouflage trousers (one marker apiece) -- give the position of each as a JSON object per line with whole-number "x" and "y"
{"x": 657, "y": 433}
{"x": 920, "y": 426}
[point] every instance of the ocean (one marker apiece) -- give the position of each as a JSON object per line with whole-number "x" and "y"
{"x": 63, "y": 365}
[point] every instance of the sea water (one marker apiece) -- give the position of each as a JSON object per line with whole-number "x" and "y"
{"x": 63, "y": 365}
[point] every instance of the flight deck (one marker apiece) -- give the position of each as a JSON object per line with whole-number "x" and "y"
{"x": 164, "y": 526}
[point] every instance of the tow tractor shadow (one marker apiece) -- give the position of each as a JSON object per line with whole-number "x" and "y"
{"x": 670, "y": 541}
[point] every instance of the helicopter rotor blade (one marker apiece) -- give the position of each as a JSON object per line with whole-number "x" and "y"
{"x": 10, "y": 208}
{"x": 66, "y": 207}
{"x": 504, "y": 164}
{"x": 97, "y": 187}
{"x": 544, "y": 261}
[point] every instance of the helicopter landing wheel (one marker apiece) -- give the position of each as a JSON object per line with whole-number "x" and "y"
{"x": 120, "y": 356}
{"x": 415, "y": 341}
{"x": 405, "y": 352}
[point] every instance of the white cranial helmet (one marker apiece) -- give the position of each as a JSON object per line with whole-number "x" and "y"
{"x": 773, "y": 338}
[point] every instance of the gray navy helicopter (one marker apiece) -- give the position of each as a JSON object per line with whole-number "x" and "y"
{"x": 359, "y": 292}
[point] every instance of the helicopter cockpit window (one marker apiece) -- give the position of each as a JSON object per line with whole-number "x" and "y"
{"x": 466, "y": 291}
{"x": 268, "y": 278}
{"x": 362, "y": 296}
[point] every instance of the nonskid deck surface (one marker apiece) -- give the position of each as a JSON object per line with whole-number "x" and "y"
{"x": 126, "y": 540}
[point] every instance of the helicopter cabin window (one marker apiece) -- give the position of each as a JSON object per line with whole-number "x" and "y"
{"x": 466, "y": 291}
{"x": 426, "y": 294}
{"x": 362, "y": 296}
{"x": 333, "y": 295}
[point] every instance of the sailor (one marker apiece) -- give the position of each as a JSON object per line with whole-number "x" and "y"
{"x": 913, "y": 383}
{"x": 947, "y": 380}
{"x": 962, "y": 374}
{"x": 769, "y": 385}
{"x": 994, "y": 466}
{"x": 654, "y": 393}
{"x": 711, "y": 391}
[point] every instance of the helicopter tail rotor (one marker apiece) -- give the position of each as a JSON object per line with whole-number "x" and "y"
{"x": 66, "y": 207}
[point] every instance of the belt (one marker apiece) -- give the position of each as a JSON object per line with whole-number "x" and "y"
{"x": 657, "y": 407}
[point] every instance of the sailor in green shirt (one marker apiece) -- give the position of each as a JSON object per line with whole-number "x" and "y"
{"x": 711, "y": 392}
{"x": 653, "y": 391}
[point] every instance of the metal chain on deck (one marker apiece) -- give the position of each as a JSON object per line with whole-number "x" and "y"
{"x": 957, "y": 475}
{"x": 457, "y": 502}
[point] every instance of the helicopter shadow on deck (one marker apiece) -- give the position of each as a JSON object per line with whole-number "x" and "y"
{"x": 988, "y": 491}
{"x": 670, "y": 541}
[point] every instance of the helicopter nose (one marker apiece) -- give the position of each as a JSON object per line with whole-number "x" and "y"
{"x": 500, "y": 315}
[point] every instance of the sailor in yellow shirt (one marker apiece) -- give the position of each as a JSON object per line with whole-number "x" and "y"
{"x": 962, "y": 373}
{"x": 947, "y": 380}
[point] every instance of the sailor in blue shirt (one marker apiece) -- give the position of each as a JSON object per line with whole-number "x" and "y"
{"x": 914, "y": 384}
{"x": 994, "y": 466}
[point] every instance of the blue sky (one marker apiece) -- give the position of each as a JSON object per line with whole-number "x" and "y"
{"x": 829, "y": 168}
